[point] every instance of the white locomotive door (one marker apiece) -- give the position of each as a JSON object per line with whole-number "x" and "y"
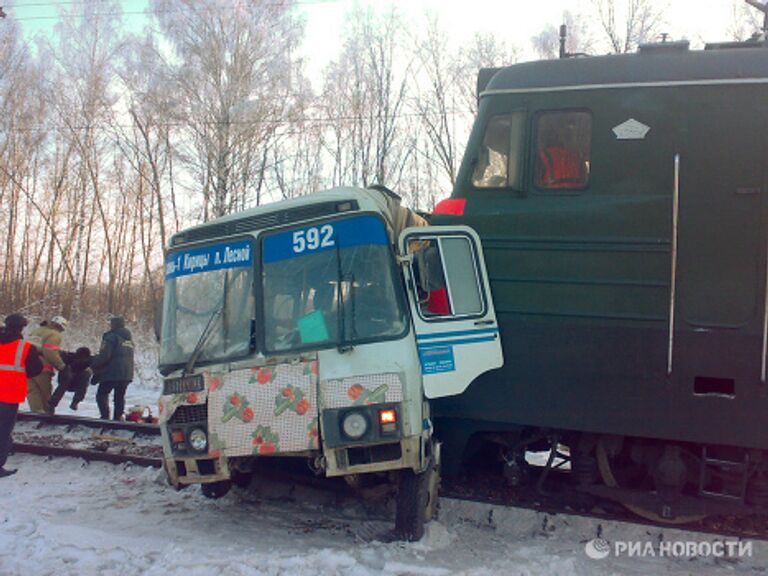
{"x": 451, "y": 306}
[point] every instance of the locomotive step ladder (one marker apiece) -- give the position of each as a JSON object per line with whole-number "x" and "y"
{"x": 723, "y": 470}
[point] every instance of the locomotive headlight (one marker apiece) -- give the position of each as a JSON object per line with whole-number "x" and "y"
{"x": 198, "y": 440}
{"x": 354, "y": 425}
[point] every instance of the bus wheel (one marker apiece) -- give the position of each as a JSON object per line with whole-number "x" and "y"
{"x": 411, "y": 513}
{"x": 433, "y": 483}
{"x": 417, "y": 499}
{"x": 215, "y": 490}
{"x": 241, "y": 479}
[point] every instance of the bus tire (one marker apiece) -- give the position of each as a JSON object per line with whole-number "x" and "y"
{"x": 216, "y": 490}
{"x": 411, "y": 512}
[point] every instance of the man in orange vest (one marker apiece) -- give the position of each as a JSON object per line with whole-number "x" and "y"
{"x": 18, "y": 360}
{"x": 561, "y": 167}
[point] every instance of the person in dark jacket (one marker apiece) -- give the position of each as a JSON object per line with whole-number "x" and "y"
{"x": 19, "y": 360}
{"x": 74, "y": 378}
{"x": 113, "y": 368}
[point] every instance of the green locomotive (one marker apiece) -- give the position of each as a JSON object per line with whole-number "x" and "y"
{"x": 622, "y": 205}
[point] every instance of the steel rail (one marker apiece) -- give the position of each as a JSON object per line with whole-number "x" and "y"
{"x": 139, "y": 428}
{"x": 112, "y": 457}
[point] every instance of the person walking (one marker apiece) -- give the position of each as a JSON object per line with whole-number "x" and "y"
{"x": 18, "y": 361}
{"x": 47, "y": 339}
{"x": 113, "y": 368}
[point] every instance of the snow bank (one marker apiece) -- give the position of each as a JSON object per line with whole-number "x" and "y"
{"x": 65, "y": 517}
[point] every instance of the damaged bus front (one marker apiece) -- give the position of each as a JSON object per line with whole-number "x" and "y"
{"x": 318, "y": 328}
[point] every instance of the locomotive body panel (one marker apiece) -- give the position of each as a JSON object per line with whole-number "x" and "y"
{"x": 631, "y": 299}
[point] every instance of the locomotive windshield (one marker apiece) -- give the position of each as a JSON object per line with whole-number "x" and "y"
{"x": 332, "y": 284}
{"x": 208, "y": 305}
{"x": 499, "y": 160}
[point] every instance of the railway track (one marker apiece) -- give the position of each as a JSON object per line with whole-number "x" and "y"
{"x": 560, "y": 498}
{"x": 88, "y": 438}
{"x": 123, "y": 442}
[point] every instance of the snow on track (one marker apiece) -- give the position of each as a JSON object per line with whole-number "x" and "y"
{"x": 64, "y": 517}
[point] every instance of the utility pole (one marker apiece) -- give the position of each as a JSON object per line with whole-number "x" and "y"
{"x": 563, "y": 37}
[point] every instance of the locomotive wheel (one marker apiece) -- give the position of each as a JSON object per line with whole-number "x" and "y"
{"x": 604, "y": 465}
{"x": 216, "y": 490}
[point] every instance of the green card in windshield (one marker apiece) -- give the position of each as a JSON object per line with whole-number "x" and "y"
{"x": 312, "y": 328}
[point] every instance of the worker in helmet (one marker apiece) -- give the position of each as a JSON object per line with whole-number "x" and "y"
{"x": 47, "y": 340}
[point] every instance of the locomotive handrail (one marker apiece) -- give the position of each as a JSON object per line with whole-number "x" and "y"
{"x": 673, "y": 279}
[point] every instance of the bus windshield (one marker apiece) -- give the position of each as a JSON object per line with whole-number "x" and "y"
{"x": 208, "y": 305}
{"x": 331, "y": 284}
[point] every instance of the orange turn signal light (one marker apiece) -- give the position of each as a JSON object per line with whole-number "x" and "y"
{"x": 177, "y": 436}
{"x": 388, "y": 416}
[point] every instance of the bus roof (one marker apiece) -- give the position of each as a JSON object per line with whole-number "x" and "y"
{"x": 325, "y": 203}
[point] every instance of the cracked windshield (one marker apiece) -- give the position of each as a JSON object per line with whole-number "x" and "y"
{"x": 330, "y": 284}
{"x": 209, "y": 303}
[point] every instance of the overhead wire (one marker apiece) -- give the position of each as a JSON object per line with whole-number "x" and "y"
{"x": 330, "y": 120}
{"x": 168, "y": 124}
{"x": 148, "y": 12}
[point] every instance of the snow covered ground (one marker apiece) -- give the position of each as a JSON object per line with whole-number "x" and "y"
{"x": 65, "y": 517}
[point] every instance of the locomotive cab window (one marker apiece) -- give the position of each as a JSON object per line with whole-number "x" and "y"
{"x": 498, "y": 162}
{"x": 563, "y": 141}
{"x": 446, "y": 278}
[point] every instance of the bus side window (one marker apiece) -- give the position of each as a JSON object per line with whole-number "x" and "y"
{"x": 499, "y": 158}
{"x": 563, "y": 141}
{"x": 446, "y": 277}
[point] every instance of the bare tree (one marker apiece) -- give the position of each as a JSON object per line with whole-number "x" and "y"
{"x": 365, "y": 95}
{"x": 437, "y": 99}
{"x": 485, "y": 51}
{"x": 232, "y": 77}
{"x": 747, "y": 20}
{"x": 546, "y": 44}
{"x": 23, "y": 116}
{"x": 627, "y": 25}
{"x": 85, "y": 45}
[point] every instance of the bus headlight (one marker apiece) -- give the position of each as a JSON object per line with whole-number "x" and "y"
{"x": 198, "y": 440}
{"x": 354, "y": 425}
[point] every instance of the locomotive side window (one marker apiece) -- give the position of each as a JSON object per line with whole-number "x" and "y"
{"x": 499, "y": 159}
{"x": 446, "y": 277}
{"x": 563, "y": 141}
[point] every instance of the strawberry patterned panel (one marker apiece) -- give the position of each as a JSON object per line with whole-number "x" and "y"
{"x": 167, "y": 405}
{"x": 263, "y": 411}
{"x": 361, "y": 390}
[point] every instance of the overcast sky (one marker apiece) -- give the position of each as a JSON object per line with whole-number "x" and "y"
{"x": 516, "y": 21}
